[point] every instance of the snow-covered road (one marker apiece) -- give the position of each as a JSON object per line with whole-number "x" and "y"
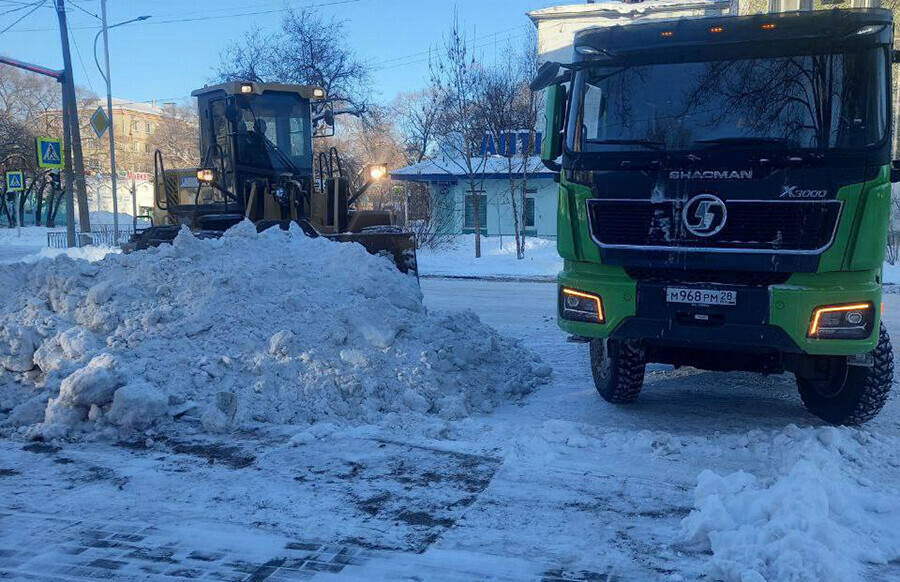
{"x": 559, "y": 487}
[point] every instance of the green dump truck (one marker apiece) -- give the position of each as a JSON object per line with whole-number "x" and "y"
{"x": 725, "y": 188}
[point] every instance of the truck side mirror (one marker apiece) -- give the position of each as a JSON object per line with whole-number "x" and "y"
{"x": 895, "y": 172}
{"x": 551, "y": 149}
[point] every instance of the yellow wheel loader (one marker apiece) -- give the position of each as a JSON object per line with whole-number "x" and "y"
{"x": 258, "y": 163}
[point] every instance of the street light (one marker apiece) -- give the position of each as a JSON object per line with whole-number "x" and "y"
{"x": 109, "y": 106}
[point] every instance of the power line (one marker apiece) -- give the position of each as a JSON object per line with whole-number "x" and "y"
{"x": 80, "y": 59}
{"x": 207, "y": 18}
{"x": 36, "y": 5}
{"x": 425, "y": 60}
{"x": 378, "y": 64}
{"x": 88, "y": 12}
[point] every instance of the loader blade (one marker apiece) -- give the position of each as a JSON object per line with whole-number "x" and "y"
{"x": 400, "y": 247}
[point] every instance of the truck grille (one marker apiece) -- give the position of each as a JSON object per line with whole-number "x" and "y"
{"x": 752, "y": 226}
{"x": 690, "y": 277}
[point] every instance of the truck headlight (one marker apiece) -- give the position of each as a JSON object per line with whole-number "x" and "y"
{"x": 581, "y": 306}
{"x": 851, "y": 321}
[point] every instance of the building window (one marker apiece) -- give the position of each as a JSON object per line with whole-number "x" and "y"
{"x": 134, "y": 126}
{"x": 469, "y": 222}
{"x": 529, "y": 213}
{"x": 149, "y": 127}
{"x": 146, "y": 148}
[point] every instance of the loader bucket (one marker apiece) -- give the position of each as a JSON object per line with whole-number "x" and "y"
{"x": 400, "y": 247}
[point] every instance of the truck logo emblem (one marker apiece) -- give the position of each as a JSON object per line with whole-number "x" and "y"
{"x": 704, "y": 215}
{"x": 711, "y": 175}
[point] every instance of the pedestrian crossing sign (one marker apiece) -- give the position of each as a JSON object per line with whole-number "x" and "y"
{"x": 49, "y": 153}
{"x": 15, "y": 181}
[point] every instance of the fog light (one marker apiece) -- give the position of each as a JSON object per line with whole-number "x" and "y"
{"x": 852, "y": 321}
{"x": 581, "y": 306}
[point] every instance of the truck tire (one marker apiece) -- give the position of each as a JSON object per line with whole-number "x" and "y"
{"x": 855, "y": 394}
{"x": 618, "y": 369}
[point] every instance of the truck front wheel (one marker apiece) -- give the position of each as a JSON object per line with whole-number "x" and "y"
{"x": 851, "y": 394}
{"x": 618, "y": 369}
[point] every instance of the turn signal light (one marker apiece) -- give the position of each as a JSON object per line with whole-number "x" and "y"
{"x": 717, "y": 29}
{"x": 851, "y": 321}
{"x": 581, "y": 306}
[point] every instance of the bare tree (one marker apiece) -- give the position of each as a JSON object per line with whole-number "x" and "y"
{"x": 502, "y": 115}
{"x": 456, "y": 78}
{"x": 176, "y": 136}
{"x": 416, "y": 114}
{"x": 309, "y": 50}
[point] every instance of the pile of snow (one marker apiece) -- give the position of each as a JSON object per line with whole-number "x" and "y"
{"x": 272, "y": 328}
{"x": 89, "y": 253}
{"x": 498, "y": 258}
{"x": 815, "y": 521}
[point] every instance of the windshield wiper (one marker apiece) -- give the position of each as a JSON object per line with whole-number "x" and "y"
{"x": 751, "y": 141}
{"x": 650, "y": 145}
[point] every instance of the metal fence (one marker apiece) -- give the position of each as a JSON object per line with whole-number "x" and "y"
{"x": 102, "y": 236}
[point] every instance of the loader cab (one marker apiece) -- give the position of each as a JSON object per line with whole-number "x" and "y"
{"x": 253, "y": 132}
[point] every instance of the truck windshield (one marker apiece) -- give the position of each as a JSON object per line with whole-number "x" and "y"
{"x": 272, "y": 127}
{"x": 818, "y": 102}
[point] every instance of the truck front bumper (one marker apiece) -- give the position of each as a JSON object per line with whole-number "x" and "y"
{"x": 774, "y": 318}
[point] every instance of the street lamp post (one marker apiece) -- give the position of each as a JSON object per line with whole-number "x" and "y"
{"x": 109, "y": 107}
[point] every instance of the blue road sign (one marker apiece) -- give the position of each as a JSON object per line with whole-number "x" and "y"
{"x": 15, "y": 181}
{"x": 49, "y": 153}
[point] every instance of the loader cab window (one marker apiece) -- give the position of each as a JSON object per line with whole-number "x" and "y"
{"x": 273, "y": 132}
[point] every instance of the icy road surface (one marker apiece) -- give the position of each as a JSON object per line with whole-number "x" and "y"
{"x": 561, "y": 487}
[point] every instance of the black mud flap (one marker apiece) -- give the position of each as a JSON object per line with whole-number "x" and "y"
{"x": 400, "y": 247}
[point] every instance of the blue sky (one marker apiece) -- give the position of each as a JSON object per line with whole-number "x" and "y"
{"x": 173, "y": 53}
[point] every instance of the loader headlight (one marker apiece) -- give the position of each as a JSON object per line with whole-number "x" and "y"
{"x": 377, "y": 171}
{"x": 318, "y": 93}
{"x": 246, "y": 87}
{"x": 580, "y": 306}
{"x": 850, "y": 321}
{"x": 206, "y": 175}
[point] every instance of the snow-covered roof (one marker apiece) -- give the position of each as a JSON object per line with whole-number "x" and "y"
{"x": 450, "y": 170}
{"x": 126, "y": 105}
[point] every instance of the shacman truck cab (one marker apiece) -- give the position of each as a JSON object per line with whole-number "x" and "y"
{"x": 725, "y": 188}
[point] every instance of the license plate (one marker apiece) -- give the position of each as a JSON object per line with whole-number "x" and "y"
{"x": 701, "y": 296}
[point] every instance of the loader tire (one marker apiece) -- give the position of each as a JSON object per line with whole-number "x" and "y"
{"x": 853, "y": 394}
{"x": 618, "y": 369}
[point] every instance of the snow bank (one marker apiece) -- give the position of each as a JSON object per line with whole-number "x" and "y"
{"x": 269, "y": 328}
{"x": 89, "y": 253}
{"x": 815, "y": 521}
{"x": 457, "y": 259}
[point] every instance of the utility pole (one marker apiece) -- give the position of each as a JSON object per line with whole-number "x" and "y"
{"x": 71, "y": 112}
{"x": 70, "y": 175}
